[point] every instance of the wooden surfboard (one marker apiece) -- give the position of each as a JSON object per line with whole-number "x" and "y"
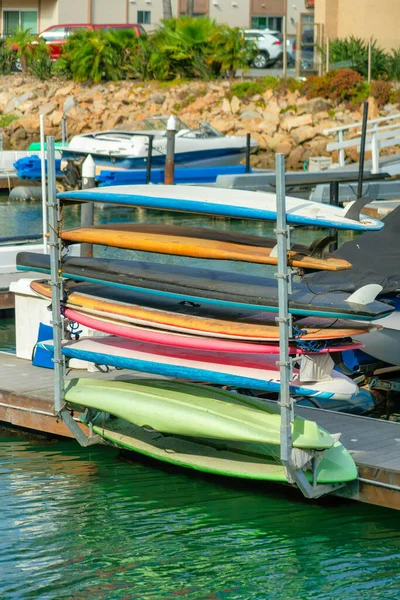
{"x": 198, "y": 242}
{"x": 105, "y": 301}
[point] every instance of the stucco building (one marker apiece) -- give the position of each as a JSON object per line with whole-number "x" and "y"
{"x": 259, "y": 14}
{"x": 379, "y": 19}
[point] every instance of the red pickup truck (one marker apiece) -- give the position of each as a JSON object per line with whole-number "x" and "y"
{"x": 57, "y": 35}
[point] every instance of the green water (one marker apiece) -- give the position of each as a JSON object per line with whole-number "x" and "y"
{"x": 86, "y": 524}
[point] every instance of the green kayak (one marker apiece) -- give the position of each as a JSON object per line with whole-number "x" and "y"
{"x": 195, "y": 411}
{"x": 336, "y": 465}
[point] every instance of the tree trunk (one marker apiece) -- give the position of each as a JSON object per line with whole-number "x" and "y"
{"x": 167, "y": 9}
{"x": 190, "y": 8}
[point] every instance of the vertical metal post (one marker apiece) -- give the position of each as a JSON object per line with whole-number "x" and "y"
{"x": 298, "y": 49}
{"x": 285, "y": 52}
{"x": 55, "y": 278}
{"x": 248, "y": 146}
{"x": 362, "y": 151}
{"x": 341, "y": 150}
{"x": 1, "y": 142}
{"x": 43, "y": 176}
{"x": 375, "y": 148}
{"x": 369, "y": 59}
{"x": 334, "y": 201}
{"x": 149, "y": 159}
{"x": 327, "y": 54}
{"x": 64, "y": 130}
{"x": 87, "y": 209}
{"x": 170, "y": 158}
{"x": 284, "y": 319}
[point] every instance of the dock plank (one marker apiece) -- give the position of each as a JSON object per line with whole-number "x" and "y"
{"x": 26, "y": 400}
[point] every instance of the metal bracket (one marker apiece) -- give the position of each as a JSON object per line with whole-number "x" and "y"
{"x": 79, "y": 435}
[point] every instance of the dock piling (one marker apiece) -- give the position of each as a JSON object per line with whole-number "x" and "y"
{"x": 169, "y": 178}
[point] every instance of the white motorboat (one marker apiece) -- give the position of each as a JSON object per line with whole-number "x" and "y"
{"x": 129, "y": 149}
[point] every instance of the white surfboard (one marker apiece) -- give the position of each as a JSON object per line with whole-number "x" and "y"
{"x": 226, "y": 202}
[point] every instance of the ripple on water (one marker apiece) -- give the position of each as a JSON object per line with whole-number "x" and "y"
{"x": 84, "y": 524}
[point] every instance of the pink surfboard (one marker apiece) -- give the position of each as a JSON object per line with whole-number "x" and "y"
{"x": 153, "y": 336}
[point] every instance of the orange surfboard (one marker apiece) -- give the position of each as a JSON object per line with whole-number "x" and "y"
{"x": 199, "y": 242}
{"x": 259, "y": 327}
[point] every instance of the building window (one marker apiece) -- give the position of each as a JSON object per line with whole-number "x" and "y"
{"x": 144, "y": 17}
{"x": 274, "y": 23}
{"x": 24, "y": 19}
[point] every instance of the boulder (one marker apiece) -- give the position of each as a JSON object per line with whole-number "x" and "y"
{"x": 294, "y": 160}
{"x": 267, "y": 127}
{"x": 302, "y": 134}
{"x": 283, "y": 148}
{"x": 250, "y": 115}
{"x": 291, "y": 122}
{"x": 47, "y": 109}
{"x": 66, "y": 90}
{"x": 235, "y": 105}
{"x": 315, "y": 105}
{"x": 260, "y": 139}
{"x": 5, "y": 98}
{"x": 157, "y": 97}
{"x": 224, "y": 126}
{"x": 226, "y": 106}
{"x": 69, "y": 104}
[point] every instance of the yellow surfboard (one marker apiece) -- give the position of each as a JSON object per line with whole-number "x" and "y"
{"x": 198, "y": 242}
{"x": 98, "y": 300}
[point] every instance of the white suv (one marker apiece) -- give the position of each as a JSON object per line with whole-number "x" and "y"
{"x": 269, "y": 44}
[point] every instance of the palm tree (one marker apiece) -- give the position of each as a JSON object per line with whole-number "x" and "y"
{"x": 167, "y": 9}
{"x": 190, "y": 8}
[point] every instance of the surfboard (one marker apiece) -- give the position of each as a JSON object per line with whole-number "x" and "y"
{"x": 198, "y": 242}
{"x": 234, "y": 370}
{"x": 212, "y": 287}
{"x": 143, "y": 334}
{"x": 169, "y": 315}
{"x": 193, "y": 410}
{"x": 224, "y": 459}
{"x": 224, "y": 202}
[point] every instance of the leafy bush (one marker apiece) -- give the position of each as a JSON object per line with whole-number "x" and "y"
{"x": 22, "y": 43}
{"x": 352, "y": 52}
{"x": 5, "y": 120}
{"x": 231, "y": 51}
{"x": 381, "y": 91}
{"x": 393, "y": 64}
{"x": 247, "y": 89}
{"x": 340, "y": 85}
{"x": 92, "y": 55}
{"x": 39, "y": 62}
{"x": 7, "y": 58}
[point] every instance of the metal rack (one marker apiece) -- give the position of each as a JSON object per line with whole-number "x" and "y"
{"x": 294, "y": 473}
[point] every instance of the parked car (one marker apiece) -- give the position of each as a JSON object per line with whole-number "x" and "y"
{"x": 269, "y": 46}
{"x": 57, "y": 35}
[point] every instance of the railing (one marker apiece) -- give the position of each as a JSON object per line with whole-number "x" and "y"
{"x": 377, "y": 138}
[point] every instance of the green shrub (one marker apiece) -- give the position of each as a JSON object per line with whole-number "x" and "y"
{"x": 39, "y": 62}
{"x": 393, "y": 64}
{"x": 6, "y": 120}
{"x": 7, "y": 58}
{"x": 270, "y": 83}
{"x": 352, "y": 52}
{"x": 381, "y": 91}
{"x": 247, "y": 89}
{"x": 231, "y": 51}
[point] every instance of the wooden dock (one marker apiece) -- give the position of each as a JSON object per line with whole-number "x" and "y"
{"x": 26, "y": 401}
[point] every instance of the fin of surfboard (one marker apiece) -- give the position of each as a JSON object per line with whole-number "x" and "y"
{"x": 320, "y": 245}
{"x": 365, "y": 294}
{"x": 353, "y": 210}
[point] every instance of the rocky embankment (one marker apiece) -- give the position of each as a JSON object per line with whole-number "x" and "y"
{"x": 280, "y": 122}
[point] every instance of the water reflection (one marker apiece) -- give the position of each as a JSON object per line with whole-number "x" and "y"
{"x": 86, "y": 524}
